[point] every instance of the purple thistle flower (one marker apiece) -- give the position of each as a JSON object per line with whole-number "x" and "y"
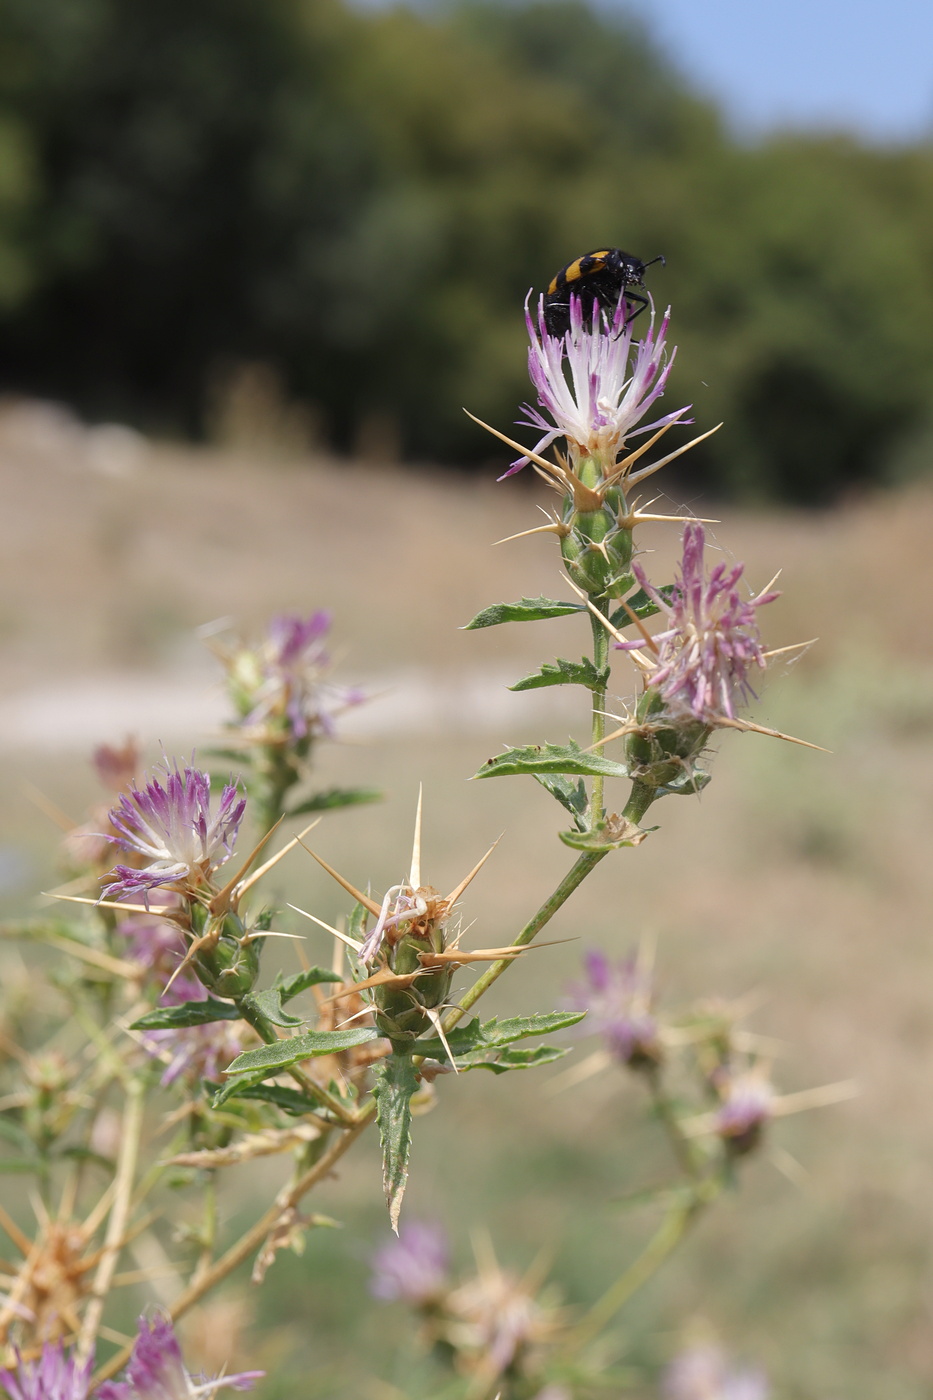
{"x": 747, "y": 1105}
{"x": 55, "y": 1376}
{"x": 413, "y": 1267}
{"x": 619, "y": 999}
{"x": 713, "y": 641}
{"x": 594, "y": 398}
{"x": 154, "y": 944}
{"x": 704, "y": 1373}
{"x": 157, "y": 1372}
{"x": 171, "y": 825}
{"x": 291, "y": 666}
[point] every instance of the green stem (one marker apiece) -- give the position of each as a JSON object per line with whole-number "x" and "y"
{"x": 600, "y": 660}
{"x": 574, "y": 877}
{"x": 684, "y": 1150}
{"x": 662, "y": 1243}
{"x": 277, "y": 775}
{"x": 640, "y": 800}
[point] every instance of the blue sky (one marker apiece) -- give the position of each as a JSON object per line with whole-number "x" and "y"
{"x": 861, "y": 65}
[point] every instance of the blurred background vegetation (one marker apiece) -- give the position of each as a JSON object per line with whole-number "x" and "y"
{"x": 352, "y": 205}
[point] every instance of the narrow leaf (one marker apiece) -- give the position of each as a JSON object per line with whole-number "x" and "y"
{"x": 550, "y": 758}
{"x": 189, "y": 1013}
{"x": 572, "y": 795}
{"x": 301, "y": 981}
{"x": 395, "y": 1082}
{"x": 300, "y": 1047}
{"x": 496, "y": 1032}
{"x": 291, "y": 1101}
{"x": 269, "y": 1005}
{"x": 335, "y": 797}
{"x": 473, "y": 1038}
{"x": 641, "y": 604}
{"x": 687, "y": 784}
{"x": 508, "y": 1058}
{"x": 566, "y": 673}
{"x": 527, "y": 610}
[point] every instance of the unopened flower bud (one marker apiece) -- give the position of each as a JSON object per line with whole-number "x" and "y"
{"x": 663, "y": 753}
{"x": 230, "y": 966}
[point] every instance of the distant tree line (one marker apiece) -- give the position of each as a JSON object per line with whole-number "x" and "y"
{"x": 362, "y": 199}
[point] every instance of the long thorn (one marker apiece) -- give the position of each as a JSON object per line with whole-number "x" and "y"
{"x": 747, "y": 725}
{"x": 219, "y": 900}
{"x": 367, "y": 903}
{"x": 558, "y": 472}
{"x": 555, "y": 528}
{"x": 344, "y": 937}
{"x": 414, "y": 878}
{"x": 656, "y": 466}
{"x": 274, "y": 860}
{"x": 458, "y": 890}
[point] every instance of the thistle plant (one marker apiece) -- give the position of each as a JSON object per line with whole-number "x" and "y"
{"x": 184, "y": 1056}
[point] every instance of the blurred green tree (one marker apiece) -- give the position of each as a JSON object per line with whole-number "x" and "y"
{"x": 361, "y": 200}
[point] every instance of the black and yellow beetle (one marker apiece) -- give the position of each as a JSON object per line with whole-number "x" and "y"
{"x": 599, "y": 280}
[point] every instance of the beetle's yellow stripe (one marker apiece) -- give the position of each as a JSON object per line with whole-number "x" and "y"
{"x": 580, "y": 267}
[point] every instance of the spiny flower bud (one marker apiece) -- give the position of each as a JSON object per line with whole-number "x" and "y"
{"x": 412, "y": 927}
{"x": 597, "y": 543}
{"x": 228, "y": 964}
{"x": 664, "y": 750}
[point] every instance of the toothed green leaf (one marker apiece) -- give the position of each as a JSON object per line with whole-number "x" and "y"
{"x": 562, "y": 672}
{"x": 188, "y": 1013}
{"x": 509, "y": 1058}
{"x": 395, "y": 1082}
{"x": 527, "y": 610}
{"x": 300, "y": 1047}
{"x": 551, "y": 758}
{"x": 570, "y": 794}
{"x": 470, "y": 1044}
{"x": 642, "y": 605}
{"x": 333, "y": 798}
{"x": 301, "y": 981}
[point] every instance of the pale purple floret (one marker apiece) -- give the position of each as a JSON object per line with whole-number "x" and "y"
{"x": 619, "y": 997}
{"x": 154, "y": 944}
{"x": 593, "y": 396}
{"x": 747, "y": 1104}
{"x": 157, "y": 1372}
{"x": 713, "y": 642}
{"x": 408, "y": 904}
{"x": 412, "y": 1268}
{"x": 55, "y": 1376}
{"x": 705, "y": 1373}
{"x": 170, "y": 823}
{"x": 294, "y": 665}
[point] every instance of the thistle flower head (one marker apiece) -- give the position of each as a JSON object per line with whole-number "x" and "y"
{"x": 747, "y": 1105}
{"x": 593, "y": 390}
{"x": 704, "y": 1372}
{"x": 712, "y": 643}
{"x": 55, "y": 1376}
{"x": 498, "y": 1322}
{"x": 412, "y": 1267}
{"x": 156, "y": 1370}
{"x": 170, "y": 825}
{"x": 619, "y": 997}
{"x": 154, "y": 944}
{"x": 281, "y": 688}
